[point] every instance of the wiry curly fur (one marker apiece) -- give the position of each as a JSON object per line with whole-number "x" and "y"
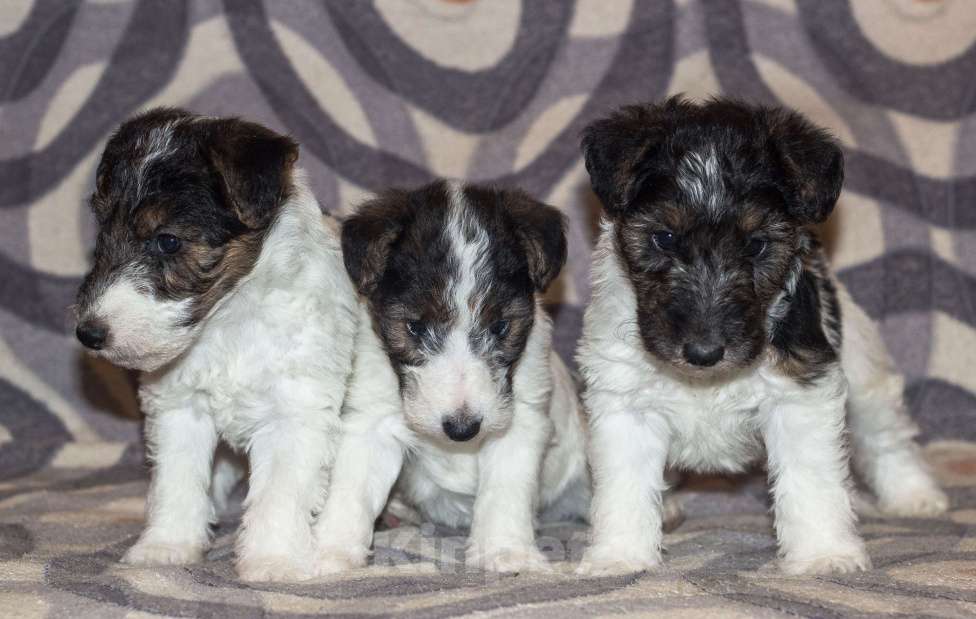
{"x": 244, "y": 332}
{"x": 714, "y": 336}
{"x": 457, "y": 396}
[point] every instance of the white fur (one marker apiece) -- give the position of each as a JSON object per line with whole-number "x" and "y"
{"x": 643, "y": 418}
{"x": 146, "y": 332}
{"x": 267, "y": 374}
{"x": 491, "y": 483}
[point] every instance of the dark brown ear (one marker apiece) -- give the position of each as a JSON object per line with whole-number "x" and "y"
{"x": 367, "y": 237}
{"x": 541, "y": 230}
{"x": 624, "y": 152}
{"x": 811, "y": 166}
{"x": 255, "y": 165}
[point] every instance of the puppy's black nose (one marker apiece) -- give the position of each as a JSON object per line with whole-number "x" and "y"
{"x": 703, "y": 354}
{"x": 461, "y": 428}
{"x": 92, "y": 334}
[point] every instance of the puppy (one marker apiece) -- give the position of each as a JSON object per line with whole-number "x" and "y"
{"x": 214, "y": 274}
{"x": 456, "y": 394}
{"x": 714, "y": 336}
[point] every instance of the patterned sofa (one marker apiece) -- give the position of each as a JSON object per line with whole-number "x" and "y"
{"x": 395, "y": 92}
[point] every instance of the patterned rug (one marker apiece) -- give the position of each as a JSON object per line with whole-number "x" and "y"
{"x": 65, "y": 530}
{"x": 397, "y": 92}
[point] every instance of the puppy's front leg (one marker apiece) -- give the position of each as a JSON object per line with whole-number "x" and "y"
{"x": 181, "y": 445}
{"x": 628, "y": 452}
{"x": 502, "y": 529}
{"x": 815, "y": 521}
{"x": 288, "y": 460}
{"x": 368, "y": 463}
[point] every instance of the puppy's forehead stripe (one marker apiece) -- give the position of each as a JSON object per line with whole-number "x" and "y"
{"x": 699, "y": 177}
{"x": 470, "y": 244}
{"x": 154, "y": 146}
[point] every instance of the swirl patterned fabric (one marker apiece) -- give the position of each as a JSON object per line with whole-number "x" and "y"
{"x": 395, "y": 92}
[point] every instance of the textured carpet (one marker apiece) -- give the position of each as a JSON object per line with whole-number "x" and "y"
{"x": 396, "y": 92}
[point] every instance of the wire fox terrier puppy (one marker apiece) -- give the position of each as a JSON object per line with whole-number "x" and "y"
{"x": 215, "y": 275}
{"x": 456, "y": 395}
{"x": 714, "y": 336}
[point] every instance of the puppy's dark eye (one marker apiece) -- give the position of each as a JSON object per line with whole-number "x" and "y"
{"x": 500, "y": 329}
{"x": 756, "y": 247}
{"x": 665, "y": 240}
{"x": 167, "y": 244}
{"x": 416, "y": 328}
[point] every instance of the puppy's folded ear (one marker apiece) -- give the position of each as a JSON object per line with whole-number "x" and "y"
{"x": 368, "y": 236}
{"x": 541, "y": 230}
{"x": 625, "y": 152}
{"x": 255, "y": 166}
{"x": 811, "y": 166}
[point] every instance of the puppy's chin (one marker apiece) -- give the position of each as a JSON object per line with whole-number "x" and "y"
{"x": 724, "y": 370}
{"x": 141, "y": 361}
{"x": 718, "y": 372}
{"x": 136, "y": 351}
{"x": 442, "y": 441}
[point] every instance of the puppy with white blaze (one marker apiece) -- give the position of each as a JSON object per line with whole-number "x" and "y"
{"x": 456, "y": 395}
{"x": 714, "y": 336}
{"x": 215, "y": 275}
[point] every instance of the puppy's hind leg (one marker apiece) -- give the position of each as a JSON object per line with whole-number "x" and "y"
{"x": 885, "y": 453}
{"x": 572, "y": 504}
{"x": 672, "y": 508}
{"x": 229, "y": 468}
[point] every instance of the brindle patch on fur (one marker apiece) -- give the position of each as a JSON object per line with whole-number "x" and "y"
{"x": 722, "y": 177}
{"x": 807, "y": 339}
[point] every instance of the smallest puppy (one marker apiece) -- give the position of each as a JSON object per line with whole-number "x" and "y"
{"x": 215, "y": 276}
{"x": 456, "y": 391}
{"x": 715, "y": 336}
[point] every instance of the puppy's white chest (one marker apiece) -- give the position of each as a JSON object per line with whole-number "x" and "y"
{"x": 206, "y": 384}
{"x": 453, "y": 472}
{"x": 715, "y": 428}
{"x": 441, "y": 485}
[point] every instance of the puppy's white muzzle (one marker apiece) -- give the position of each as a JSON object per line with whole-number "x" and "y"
{"x": 129, "y": 327}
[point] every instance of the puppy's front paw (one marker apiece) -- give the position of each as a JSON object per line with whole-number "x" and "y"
{"x": 273, "y": 569}
{"x": 506, "y": 559}
{"x": 919, "y": 502}
{"x": 603, "y": 560}
{"x": 151, "y": 553}
{"x": 334, "y": 560}
{"x": 845, "y": 562}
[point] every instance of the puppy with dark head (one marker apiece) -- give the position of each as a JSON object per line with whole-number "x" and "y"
{"x": 714, "y": 335}
{"x": 215, "y": 275}
{"x": 451, "y": 275}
